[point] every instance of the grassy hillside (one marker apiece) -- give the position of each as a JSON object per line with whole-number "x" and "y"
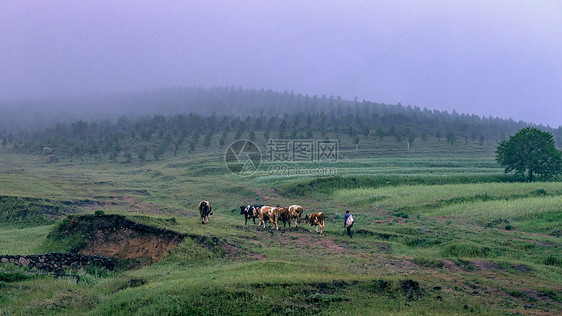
{"x": 439, "y": 230}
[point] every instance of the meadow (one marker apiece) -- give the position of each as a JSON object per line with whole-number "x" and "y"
{"x": 437, "y": 231}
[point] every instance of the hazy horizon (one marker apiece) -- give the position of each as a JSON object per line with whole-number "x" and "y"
{"x": 497, "y": 59}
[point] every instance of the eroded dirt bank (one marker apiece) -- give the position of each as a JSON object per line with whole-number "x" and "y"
{"x": 115, "y": 236}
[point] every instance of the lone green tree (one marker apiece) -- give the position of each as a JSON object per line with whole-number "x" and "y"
{"x": 530, "y": 152}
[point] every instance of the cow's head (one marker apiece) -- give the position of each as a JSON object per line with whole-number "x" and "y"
{"x": 307, "y": 218}
{"x": 244, "y": 209}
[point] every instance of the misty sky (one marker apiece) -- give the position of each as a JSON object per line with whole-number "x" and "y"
{"x": 499, "y": 58}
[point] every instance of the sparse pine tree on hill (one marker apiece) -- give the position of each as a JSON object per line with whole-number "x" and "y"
{"x": 294, "y": 133}
{"x": 128, "y": 156}
{"x": 222, "y": 140}
{"x": 379, "y": 133}
{"x": 365, "y": 131}
{"x": 309, "y": 133}
{"x": 282, "y": 128}
{"x": 411, "y": 137}
{"x": 207, "y": 140}
{"x": 452, "y": 138}
{"x": 481, "y": 140}
{"x": 284, "y": 114}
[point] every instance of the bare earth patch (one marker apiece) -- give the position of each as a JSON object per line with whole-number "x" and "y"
{"x": 115, "y": 236}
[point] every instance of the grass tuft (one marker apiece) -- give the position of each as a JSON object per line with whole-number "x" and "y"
{"x": 465, "y": 249}
{"x": 428, "y": 262}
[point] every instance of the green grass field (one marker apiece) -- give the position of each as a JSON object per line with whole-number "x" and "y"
{"x": 436, "y": 232}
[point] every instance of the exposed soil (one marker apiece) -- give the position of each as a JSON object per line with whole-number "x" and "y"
{"x": 485, "y": 265}
{"x": 451, "y": 266}
{"x": 330, "y": 245}
{"x": 115, "y": 236}
{"x": 126, "y": 243}
{"x": 521, "y": 268}
{"x": 264, "y": 195}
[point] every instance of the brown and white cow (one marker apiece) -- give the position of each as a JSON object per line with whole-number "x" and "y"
{"x": 250, "y": 211}
{"x": 295, "y": 212}
{"x": 316, "y": 219}
{"x": 205, "y": 211}
{"x": 270, "y": 214}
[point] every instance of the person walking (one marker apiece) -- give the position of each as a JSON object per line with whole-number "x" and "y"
{"x": 348, "y": 222}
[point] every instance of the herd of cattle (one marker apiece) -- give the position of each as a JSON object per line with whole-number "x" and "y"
{"x": 271, "y": 215}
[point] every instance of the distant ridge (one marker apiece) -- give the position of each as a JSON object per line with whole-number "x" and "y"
{"x": 45, "y": 112}
{"x": 167, "y": 120}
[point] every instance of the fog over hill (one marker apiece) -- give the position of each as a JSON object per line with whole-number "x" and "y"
{"x": 39, "y": 113}
{"x": 161, "y": 117}
{"x": 499, "y": 58}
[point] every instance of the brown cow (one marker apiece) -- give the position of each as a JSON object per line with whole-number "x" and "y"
{"x": 205, "y": 211}
{"x": 295, "y": 212}
{"x": 316, "y": 219}
{"x": 284, "y": 216}
{"x": 268, "y": 213}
